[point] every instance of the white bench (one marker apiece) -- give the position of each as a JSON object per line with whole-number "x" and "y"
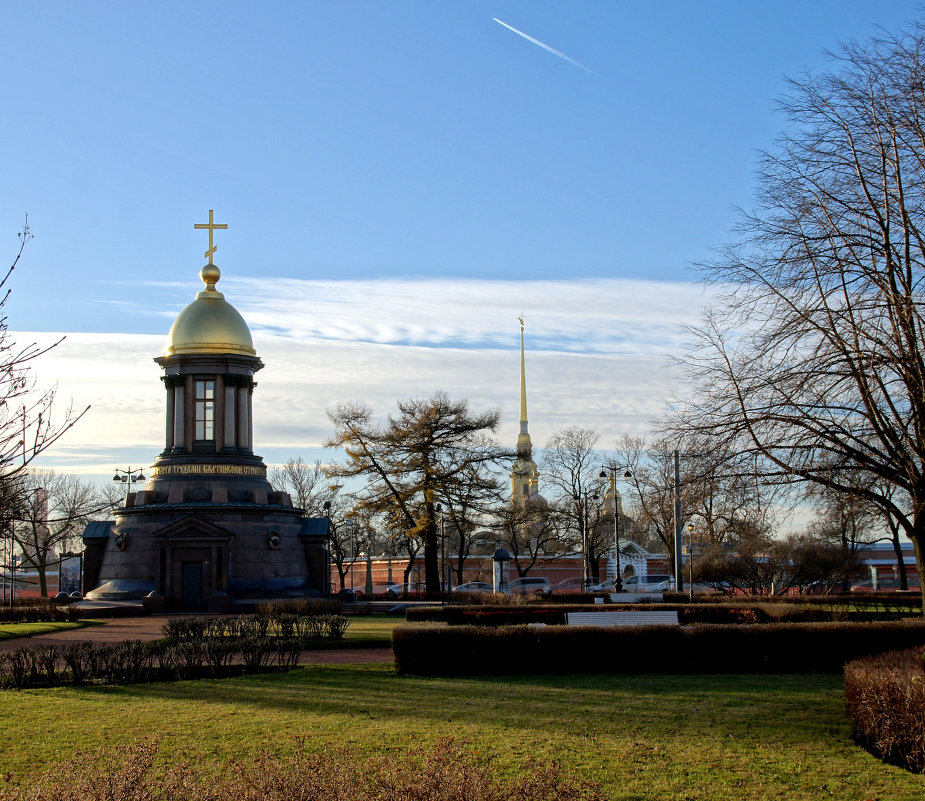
{"x": 625, "y": 618}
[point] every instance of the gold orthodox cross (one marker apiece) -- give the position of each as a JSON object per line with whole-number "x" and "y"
{"x": 211, "y": 225}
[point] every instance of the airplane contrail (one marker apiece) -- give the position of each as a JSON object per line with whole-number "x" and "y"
{"x": 544, "y": 46}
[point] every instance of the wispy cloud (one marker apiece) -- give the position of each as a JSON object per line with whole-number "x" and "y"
{"x": 596, "y": 357}
{"x": 546, "y": 47}
{"x": 599, "y": 315}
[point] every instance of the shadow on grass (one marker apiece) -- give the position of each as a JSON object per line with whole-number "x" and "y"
{"x": 791, "y": 708}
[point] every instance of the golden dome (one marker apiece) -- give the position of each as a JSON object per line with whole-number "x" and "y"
{"x": 209, "y": 324}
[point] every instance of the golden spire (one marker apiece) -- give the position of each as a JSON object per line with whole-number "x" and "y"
{"x": 524, "y": 445}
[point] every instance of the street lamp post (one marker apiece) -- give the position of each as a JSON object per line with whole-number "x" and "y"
{"x": 368, "y": 586}
{"x": 618, "y": 578}
{"x": 128, "y": 477}
{"x": 582, "y": 498}
{"x": 326, "y": 507}
{"x": 439, "y": 510}
{"x": 354, "y": 540}
{"x": 690, "y": 558}
{"x": 679, "y": 573}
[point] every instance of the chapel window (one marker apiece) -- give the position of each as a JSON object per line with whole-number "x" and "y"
{"x": 205, "y": 410}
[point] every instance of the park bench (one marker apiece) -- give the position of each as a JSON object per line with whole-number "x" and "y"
{"x": 624, "y": 618}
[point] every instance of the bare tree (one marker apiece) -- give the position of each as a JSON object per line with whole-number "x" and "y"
{"x": 27, "y": 425}
{"x": 307, "y": 485}
{"x": 53, "y": 510}
{"x": 651, "y": 495}
{"x": 464, "y": 509}
{"x": 850, "y": 521}
{"x": 571, "y": 467}
{"x": 763, "y": 565}
{"x": 813, "y": 360}
{"x": 893, "y": 525}
{"x": 353, "y": 534}
{"x": 420, "y": 457}
{"x": 530, "y": 531}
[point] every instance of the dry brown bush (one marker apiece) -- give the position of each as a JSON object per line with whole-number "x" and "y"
{"x": 445, "y": 772}
{"x": 885, "y": 697}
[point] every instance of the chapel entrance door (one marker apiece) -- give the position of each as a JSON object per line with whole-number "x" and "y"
{"x": 192, "y": 586}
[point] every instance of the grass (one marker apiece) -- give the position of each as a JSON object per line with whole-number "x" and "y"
{"x": 10, "y": 630}
{"x": 644, "y": 737}
{"x": 372, "y": 629}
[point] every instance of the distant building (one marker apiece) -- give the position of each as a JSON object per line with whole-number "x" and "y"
{"x": 881, "y": 568}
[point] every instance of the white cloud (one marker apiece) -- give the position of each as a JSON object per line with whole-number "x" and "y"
{"x": 596, "y": 357}
{"x": 594, "y": 315}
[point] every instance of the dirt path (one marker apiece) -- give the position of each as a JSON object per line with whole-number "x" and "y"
{"x": 151, "y": 628}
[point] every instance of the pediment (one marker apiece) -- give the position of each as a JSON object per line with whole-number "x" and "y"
{"x": 195, "y": 528}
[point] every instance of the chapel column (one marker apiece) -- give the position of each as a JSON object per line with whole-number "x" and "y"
{"x": 230, "y": 428}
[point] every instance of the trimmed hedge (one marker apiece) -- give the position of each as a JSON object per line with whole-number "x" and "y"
{"x": 885, "y": 697}
{"x": 707, "y": 648}
{"x": 744, "y": 612}
{"x": 897, "y": 602}
{"x": 134, "y": 662}
{"x": 305, "y": 628}
{"x": 193, "y": 647}
{"x": 41, "y": 610}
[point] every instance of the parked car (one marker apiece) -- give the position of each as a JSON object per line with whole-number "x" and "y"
{"x": 397, "y": 590}
{"x": 380, "y": 589}
{"x": 473, "y": 586}
{"x": 573, "y": 584}
{"x": 530, "y": 585}
{"x": 604, "y": 586}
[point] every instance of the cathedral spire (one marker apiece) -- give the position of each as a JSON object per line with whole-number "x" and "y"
{"x": 524, "y": 444}
{"x": 524, "y": 475}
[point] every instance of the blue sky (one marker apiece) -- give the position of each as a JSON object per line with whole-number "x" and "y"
{"x": 401, "y": 179}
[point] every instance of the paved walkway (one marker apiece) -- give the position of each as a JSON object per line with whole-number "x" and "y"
{"x": 151, "y": 628}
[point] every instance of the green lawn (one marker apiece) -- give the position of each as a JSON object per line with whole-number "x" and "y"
{"x": 643, "y": 737}
{"x": 372, "y": 629}
{"x": 8, "y": 630}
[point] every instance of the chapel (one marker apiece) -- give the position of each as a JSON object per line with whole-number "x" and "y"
{"x": 207, "y": 531}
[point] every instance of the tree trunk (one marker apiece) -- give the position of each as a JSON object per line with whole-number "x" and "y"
{"x": 918, "y": 544}
{"x": 900, "y": 561}
{"x": 431, "y": 558}
{"x": 43, "y": 579}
